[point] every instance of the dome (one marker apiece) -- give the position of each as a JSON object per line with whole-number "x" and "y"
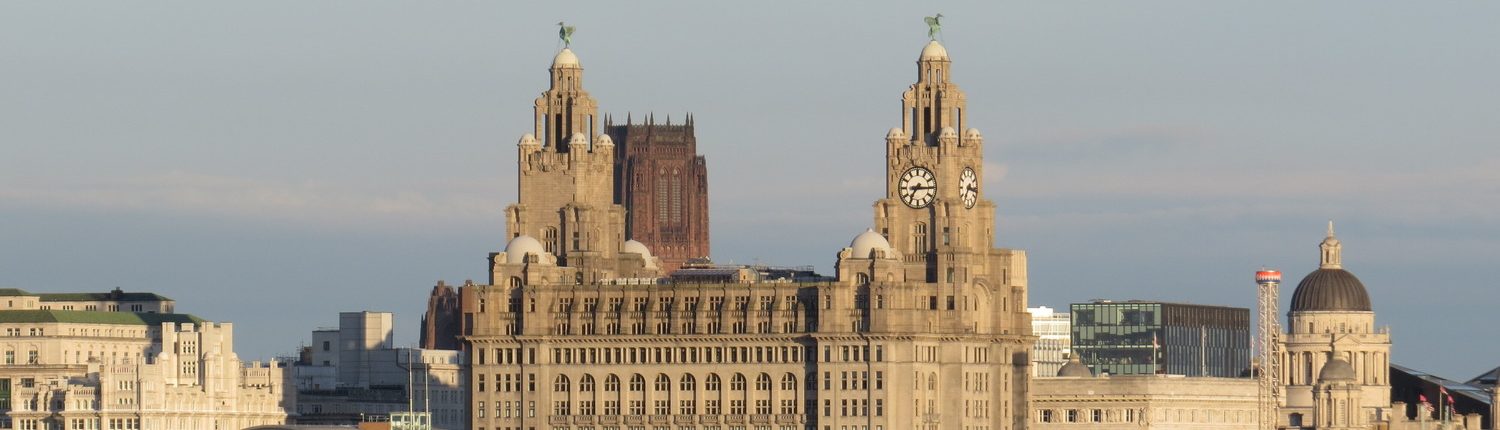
{"x": 1330, "y": 289}
{"x": 578, "y": 139}
{"x": 636, "y": 247}
{"x": 527, "y": 139}
{"x": 565, "y": 58}
{"x": 895, "y": 133}
{"x": 1336, "y": 370}
{"x": 518, "y": 248}
{"x": 948, "y": 132}
{"x": 604, "y": 140}
{"x": 1075, "y": 369}
{"x": 933, "y": 51}
{"x": 868, "y": 242}
{"x": 972, "y": 133}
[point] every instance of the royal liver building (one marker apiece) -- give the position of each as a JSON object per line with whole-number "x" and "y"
{"x": 923, "y": 328}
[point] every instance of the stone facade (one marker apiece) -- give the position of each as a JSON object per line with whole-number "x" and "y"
{"x": 98, "y": 369}
{"x": 1144, "y": 401}
{"x": 1318, "y": 334}
{"x": 663, "y": 183}
{"x": 924, "y": 327}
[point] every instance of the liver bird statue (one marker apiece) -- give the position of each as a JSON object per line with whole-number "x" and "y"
{"x": 565, "y": 32}
{"x": 934, "y": 25}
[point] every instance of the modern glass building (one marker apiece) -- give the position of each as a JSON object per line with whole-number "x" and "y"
{"x": 1140, "y": 337}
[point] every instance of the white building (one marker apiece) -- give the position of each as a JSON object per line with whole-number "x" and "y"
{"x": 1054, "y": 340}
{"x": 117, "y": 361}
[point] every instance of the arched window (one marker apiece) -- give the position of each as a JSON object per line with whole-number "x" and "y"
{"x": 560, "y": 384}
{"x": 663, "y": 383}
{"x": 637, "y": 383}
{"x": 789, "y": 382}
{"x": 713, "y": 383}
{"x": 586, "y": 384}
{"x": 932, "y": 381}
{"x": 737, "y": 383}
{"x": 862, "y": 279}
{"x": 612, "y": 383}
{"x": 763, "y": 382}
{"x": 515, "y": 282}
{"x": 688, "y": 383}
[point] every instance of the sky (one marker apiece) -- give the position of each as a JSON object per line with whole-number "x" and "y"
{"x": 274, "y": 163}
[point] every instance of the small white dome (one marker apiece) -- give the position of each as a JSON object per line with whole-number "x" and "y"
{"x": 518, "y": 248}
{"x": 578, "y": 139}
{"x": 933, "y": 50}
{"x": 973, "y": 133}
{"x": 636, "y": 247}
{"x": 895, "y": 133}
{"x": 527, "y": 139}
{"x": 947, "y": 132}
{"x": 567, "y": 59}
{"x": 868, "y": 242}
{"x": 603, "y": 140}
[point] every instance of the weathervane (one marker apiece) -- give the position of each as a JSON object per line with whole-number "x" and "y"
{"x": 565, "y": 32}
{"x": 934, "y": 26}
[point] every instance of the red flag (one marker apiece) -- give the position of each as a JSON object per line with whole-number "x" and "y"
{"x": 1422, "y": 399}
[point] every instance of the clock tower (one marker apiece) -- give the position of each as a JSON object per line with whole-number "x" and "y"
{"x": 934, "y": 212}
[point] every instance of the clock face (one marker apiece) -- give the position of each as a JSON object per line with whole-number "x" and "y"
{"x": 918, "y": 187}
{"x": 968, "y": 187}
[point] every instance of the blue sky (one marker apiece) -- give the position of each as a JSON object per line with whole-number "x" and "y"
{"x": 274, "y": 163}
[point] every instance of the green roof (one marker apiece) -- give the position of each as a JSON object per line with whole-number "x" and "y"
{"x": 13, "y": 292}
{"x": 95, "y": 317}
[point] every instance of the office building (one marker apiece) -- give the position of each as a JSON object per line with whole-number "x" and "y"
{"x": 1143, "y": 337}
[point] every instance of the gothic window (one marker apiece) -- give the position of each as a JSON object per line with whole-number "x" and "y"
{"x": 661, "y": 199}
{"x": 676, "y": 198}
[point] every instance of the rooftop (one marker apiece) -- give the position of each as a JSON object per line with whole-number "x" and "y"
{"x": 94, "y": 317}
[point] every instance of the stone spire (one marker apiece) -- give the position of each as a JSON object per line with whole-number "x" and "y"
{"x": 1332, "y": 256}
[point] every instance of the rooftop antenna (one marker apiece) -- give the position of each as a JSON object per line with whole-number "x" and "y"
{"x": 1269, "y": 346}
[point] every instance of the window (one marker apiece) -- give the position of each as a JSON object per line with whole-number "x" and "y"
{"x": 713, "y": 382}
{"x": 919, "y": 237}
{"x": 663, "y": 384}
{"x": 612, "y": 384}
{"x": 585, "y": 385}
{"x": 763, "y": 382}
{"x": 738, "y": 383}
{"x": 637, "y": 383}
{"x": 688, "y": 383}
{"x": 560, "y": 384}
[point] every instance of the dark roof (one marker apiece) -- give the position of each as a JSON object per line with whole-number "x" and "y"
{"x": 94, "y": 317}
{"x": 1487, "y": 378}
{"x": 1458, "y": 389}
{"x": 1330, "y": 290}
{"x": 118, "y": 296}
{"x": 4, "y": 292}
